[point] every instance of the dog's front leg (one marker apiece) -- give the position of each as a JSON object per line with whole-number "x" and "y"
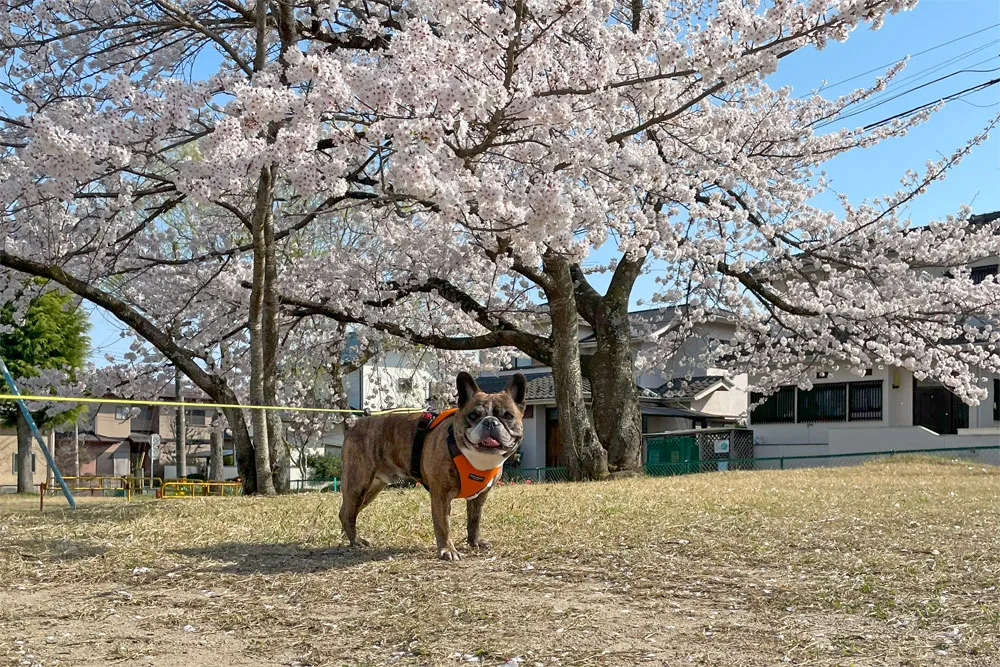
{"x": 474, "y": 512}
{"x": 441, "y": 511}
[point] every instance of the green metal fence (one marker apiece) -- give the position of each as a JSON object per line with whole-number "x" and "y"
{"x": 694, "y": 465}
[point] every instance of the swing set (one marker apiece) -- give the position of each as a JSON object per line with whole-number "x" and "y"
{"x": 38, "y": 436}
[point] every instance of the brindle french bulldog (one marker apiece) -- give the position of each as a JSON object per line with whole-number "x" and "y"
{"x": 485, "y": 431}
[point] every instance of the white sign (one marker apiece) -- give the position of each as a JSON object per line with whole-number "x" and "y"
{"x": 154, "y": 446}
{"x": 721, "y": 446}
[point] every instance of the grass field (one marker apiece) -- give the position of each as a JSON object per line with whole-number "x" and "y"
{"x": 893, "y": 563}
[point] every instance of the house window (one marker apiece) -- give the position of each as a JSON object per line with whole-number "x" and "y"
{"x": 979, "y": 273}
{"x": 529, "y": 412}
{"x": 779, "y": 408}
{"x": 197, "y": 417}
{"x": 121, "y": 413}
{"x": 866, "y": 401}
{"x": 13, "y": 463}
{"x": 824, "y": 403}
{"x": 996, "y": 400}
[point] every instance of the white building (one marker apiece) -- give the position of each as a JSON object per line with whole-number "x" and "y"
{"x": 390, "y": 380}
{"x": 886, "y": 410}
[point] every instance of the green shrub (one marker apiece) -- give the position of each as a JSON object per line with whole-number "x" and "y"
{"x": 325, "y": 466}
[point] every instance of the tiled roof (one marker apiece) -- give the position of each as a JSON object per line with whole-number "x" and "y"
{"x": 681, "y": 387}
{"x": 540, "y": 385}
{"x": 642, "y": 322}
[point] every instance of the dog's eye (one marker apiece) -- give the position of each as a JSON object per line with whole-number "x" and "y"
{"x": 506, "y": 416}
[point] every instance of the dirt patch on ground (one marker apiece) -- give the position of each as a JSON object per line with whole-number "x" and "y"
{"x": 887, "y": 564}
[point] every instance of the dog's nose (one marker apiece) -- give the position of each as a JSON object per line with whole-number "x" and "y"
{"x": 491, "y": 423}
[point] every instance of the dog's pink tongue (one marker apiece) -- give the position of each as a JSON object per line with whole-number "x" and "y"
{"x": 490, "y": 442}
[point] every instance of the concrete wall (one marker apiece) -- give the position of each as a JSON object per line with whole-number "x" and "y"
{"x": 113, "y": 421}
{"x": 692, "y": 348}
{"x": 8, "y": 449}
{"x": 726, "y": 402}
{"x": 533, "y": 445}
{"x": 390, "y": 383}
{"x": 112, "y": 460}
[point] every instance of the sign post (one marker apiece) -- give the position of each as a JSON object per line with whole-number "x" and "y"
{"x": 722, "y": 447}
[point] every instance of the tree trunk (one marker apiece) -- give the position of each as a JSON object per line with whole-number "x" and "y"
{"x": 75, "y": 471}
{"x": 617, "y": 416}
{"x": 587, "y": 459}
{"x": 215, "y": 467}
{"x": 243, "y": 447}
{"x": 258, "y": 394}
{"x": 272, "y": 337}
{"x": 280, "y": 463}
{"x": 25, "y": 476}
{"x": 180, "y": 429}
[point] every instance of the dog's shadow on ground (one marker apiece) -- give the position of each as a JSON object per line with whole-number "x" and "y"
{"x": 270, "y": 558}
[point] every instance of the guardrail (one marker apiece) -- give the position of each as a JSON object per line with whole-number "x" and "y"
{"x": 96, "y": 485}
{"x": 199, "y": 489}
{"x": 146, "y": 486}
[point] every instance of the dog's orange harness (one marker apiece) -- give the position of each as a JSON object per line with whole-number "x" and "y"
{"x": 473, "y": 480}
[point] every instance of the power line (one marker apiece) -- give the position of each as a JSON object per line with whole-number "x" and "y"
{"x": 927, "y": 71}
{"x": 920, "y": 53}
{"x": 948, "y": 98}
{"x": 870, "y": 107}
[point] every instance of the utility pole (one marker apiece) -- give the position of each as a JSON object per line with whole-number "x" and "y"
{"x": 180, "y": 428}
{"x": 216, "y": 453}
{"x": 76, "y": 449}
{"x": 49, "y": 472}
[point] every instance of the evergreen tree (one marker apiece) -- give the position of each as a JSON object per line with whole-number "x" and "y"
{"x": 52, "y": 336}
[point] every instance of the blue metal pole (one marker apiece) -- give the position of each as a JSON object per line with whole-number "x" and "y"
{"x": 38, "y": 436}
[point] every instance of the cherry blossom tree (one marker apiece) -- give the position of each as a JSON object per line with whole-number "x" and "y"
{"x": 471, "y": 151}
{"x": 540, "y": 131}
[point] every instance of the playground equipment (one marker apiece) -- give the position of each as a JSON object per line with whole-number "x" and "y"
{"x": 38, "y": 436}
{"x": 198, "y": 489}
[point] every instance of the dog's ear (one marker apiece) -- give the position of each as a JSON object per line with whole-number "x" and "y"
{"x": 517, "y": 387}
{"x": 467, "y": 388}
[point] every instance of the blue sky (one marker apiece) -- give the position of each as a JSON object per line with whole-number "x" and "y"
{"x": 875, "y": 171}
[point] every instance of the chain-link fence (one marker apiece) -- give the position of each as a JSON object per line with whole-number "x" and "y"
{"x": 698, "y": 450}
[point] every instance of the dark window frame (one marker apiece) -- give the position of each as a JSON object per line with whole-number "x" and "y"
{"x": 854, "y": 390}
{"x": 822, "y": 404}
{"x": 978, "y": 274}
{"x": 996, "y": 399}
{"x": 774, "y": 409}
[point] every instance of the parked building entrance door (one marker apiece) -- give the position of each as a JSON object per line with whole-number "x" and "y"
{"x": 937, "y": 409}
{"x": 553, "y": 448}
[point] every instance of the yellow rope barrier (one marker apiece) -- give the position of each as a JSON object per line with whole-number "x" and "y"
{"x": 197, "y": 405}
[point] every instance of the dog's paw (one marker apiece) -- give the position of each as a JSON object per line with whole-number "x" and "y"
{"x": 480, "y": 545}
{"x": 360, "y": 542}
{"x": 449, "y": 554}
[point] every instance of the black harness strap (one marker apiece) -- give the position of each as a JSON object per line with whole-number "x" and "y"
{"x": 417, "y": 452}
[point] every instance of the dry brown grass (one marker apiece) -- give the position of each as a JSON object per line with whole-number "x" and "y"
{"x": 885, "y": 564}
